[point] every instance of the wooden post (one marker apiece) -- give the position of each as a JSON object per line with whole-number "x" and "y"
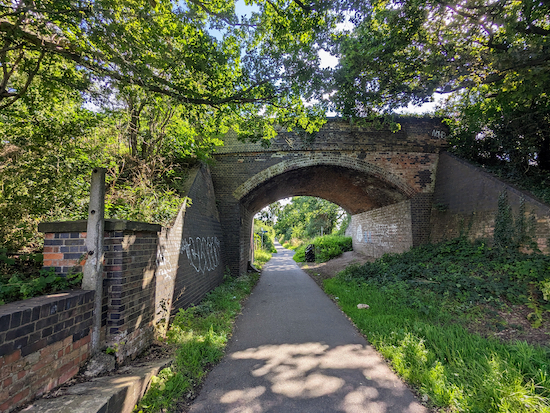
{"x": 93, "y": 268}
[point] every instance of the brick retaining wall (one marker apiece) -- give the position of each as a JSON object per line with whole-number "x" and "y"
{"x": 383, "y": 230}
{"x": 44, "y": 342}
{"x": 466, "y": 200}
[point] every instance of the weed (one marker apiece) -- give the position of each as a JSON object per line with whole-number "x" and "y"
{"x": 420, "y": 303}
{"x": 200, "y": 334}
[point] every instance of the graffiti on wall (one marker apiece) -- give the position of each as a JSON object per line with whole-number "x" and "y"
{"x": 439, "y": 134}
{"x": 164, "y": 264}
{"x": 203, "y": 253}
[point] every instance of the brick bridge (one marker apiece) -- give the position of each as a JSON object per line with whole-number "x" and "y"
{"x": 358, "y": 168}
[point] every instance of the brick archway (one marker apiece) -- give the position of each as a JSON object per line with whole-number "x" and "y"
{"x": 324, "y": 159}
{"x": 360, "y": 168}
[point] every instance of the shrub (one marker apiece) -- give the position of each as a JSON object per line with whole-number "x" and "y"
{"x": 327, "y": 247}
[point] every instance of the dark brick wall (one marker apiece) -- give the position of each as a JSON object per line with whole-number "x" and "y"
{"x": 43, "y": 343}
{"x": 129, "y": 290}
{"x": 466, "y": 199}
{"x": 421, "y": 208}
{"x": 200, "y": 263}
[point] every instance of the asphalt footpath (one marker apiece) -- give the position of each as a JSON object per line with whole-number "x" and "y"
{"x": 293, "y": 350}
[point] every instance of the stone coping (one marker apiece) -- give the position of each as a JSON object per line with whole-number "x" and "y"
{"x": 110, "y": 225}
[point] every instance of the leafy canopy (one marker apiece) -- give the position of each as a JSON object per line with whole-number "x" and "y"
{"x": 198, "y": 53}
{"x": 492, "y": 57}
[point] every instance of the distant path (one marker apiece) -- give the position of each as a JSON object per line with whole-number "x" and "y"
{"x": 293, "y": 350}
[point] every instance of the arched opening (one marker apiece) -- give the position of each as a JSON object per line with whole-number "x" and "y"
{"x": 356, "y": 191}
{"x": 351, "y": 189}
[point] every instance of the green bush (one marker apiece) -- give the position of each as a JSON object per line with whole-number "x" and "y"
{"x": 327, "y": 247}
{"x": 264, "y": 240}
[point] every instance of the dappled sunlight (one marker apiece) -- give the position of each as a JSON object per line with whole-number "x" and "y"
{"x": 361, "y": 397}
{"x": 353, "y": 372}
{"x": 284, "y": 267}
{"x": 247, "y": 400}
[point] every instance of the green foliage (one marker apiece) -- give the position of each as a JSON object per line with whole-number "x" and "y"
{"x": 254, "y": 65}
{"x": 491, "y": 59}
{"x": 261, "y": 257}
{"x": 199, "y": 334}
{"x": 513, "y": 231}
{"x": 433, "y": 351}
{"x": 326, "y": 247}
{"x": 465, "y": 272}
{"x": 47, "y": 152}
{"x": 264, "y": 240}
{"x": 306, "y": 217}
{"x": 22, "y": 277}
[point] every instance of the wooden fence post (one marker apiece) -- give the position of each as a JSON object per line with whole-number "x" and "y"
{"x": 93, "y": 267}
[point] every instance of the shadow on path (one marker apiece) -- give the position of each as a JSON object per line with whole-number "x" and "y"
{"x": 293, "y": 350}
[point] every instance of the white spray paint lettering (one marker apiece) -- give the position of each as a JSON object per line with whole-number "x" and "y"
{"x": 164, "y": 265}
{"x": 203, "y": 253}
{"x": 438, "y": 134}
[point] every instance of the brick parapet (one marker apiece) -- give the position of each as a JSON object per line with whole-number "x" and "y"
{"x": 415, "y": 135}
{"x": 43, "y": 343}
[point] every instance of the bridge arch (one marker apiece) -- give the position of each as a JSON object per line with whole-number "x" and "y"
{"x": 354, "y": 189}
{"x": 360, "y": 168}
{"x": 327, "y": 160}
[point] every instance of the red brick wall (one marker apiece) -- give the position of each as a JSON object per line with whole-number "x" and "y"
{"x": 43, "y": 343}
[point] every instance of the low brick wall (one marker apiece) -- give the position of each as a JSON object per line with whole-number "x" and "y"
{"x": 43, "y": 343}
{"x": 148, "y": 272}
{"x": 130, "y": 252}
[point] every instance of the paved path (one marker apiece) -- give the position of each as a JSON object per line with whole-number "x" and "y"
{"x": 293, "y": 350}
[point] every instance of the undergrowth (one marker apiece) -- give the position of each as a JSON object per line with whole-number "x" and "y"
{"x": 261, "y": 257}
{"x": 22, "y": 277}
{"x": 326, "y": 247}
{"x": 200, "y": 334}
{"x": 420, "y": 305}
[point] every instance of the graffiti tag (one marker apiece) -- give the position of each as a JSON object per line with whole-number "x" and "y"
{"x": 439, "y": 134}
{"x": 203, "y": 253}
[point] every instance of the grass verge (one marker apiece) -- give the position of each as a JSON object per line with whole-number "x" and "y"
{"x": 261, "y": 257}
{"x": 199, "y": 334}
{"x": 419, "y": 316}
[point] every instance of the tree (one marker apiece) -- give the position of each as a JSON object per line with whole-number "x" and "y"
{"x": 494, "y": 55}
{"x": 263, "y": 64}
{"x": 307, "y": 217}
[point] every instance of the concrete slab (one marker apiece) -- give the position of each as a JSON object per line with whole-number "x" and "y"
{"x": 118, "y": 393}
{"x": 293, "y": 350}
